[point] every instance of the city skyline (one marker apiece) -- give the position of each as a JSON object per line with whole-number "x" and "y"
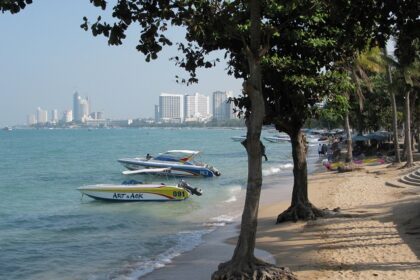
{"x": 62, "y": 58}
{"x": 172, "y": 108}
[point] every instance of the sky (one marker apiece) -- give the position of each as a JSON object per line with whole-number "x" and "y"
{"x": 45, "y": 57}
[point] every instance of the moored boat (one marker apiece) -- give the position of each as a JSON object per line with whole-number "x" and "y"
{"x": 238, "y": 138}
{"x": 136, "y": 191}
{"x": 173, "y": 162}
{"x": 278, "y": 138}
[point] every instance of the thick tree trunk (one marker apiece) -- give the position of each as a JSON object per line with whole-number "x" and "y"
{"x": 301, "y": 208}
{"x": 394, "y": 118}
{"x": 407, "y": 144}
{"x": 244, "y": 265}
{"x": 349, "y": 156}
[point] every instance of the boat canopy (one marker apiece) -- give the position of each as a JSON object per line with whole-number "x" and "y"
{"x": 177, "y": 155}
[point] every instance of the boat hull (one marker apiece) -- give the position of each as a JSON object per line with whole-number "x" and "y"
{"x": 238, "y": 138}
{"x": 275, "y": 139}
{"x": 137, "y": 192}
{"x": 180, "y": 170}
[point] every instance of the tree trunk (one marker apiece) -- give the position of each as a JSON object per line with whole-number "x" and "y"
{"x": 301, "y": 208}
{"x": 349, "y": 156}
{"x": 394, "y": 118}
{"x": 412, "y": 118}
{"x": 407, "y": 144}
{"x": 244, "y": 265}
{"x": 360, "y": 124}
{"x": 418, "y": 124}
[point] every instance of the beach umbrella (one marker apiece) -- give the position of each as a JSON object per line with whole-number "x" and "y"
{"x": 360, "y": 138}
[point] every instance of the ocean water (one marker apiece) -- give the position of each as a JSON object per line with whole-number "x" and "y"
{"x": 48, "y": 232}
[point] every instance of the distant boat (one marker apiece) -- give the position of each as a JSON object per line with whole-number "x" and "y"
{"x": 278, "y": 138}
{"x": 136, "y": 191}
{"x": 7, "y": 128}
{"x": 238, "y": 138}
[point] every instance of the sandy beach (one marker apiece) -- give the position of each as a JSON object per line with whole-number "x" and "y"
{"x": 375, "y": 235}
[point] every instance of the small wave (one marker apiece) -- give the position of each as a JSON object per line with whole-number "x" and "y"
{"x": 220, "y": 221}
{"x": 223, "y": 218}
{"x": 185, "y": 241}
{"x": 235, "y": 189}
{"x": 275, "y": 170}
{"x": 231, "y": 199}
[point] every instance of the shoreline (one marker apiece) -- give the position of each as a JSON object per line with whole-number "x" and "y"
{"x": 218, "y": 246}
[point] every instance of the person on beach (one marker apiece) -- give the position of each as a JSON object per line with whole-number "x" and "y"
{"x": 320, "y": 150}
{"x": 263, "y": 151}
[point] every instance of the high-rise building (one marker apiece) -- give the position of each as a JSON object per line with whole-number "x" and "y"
{"x": 41, "y": 116}
{"x": 54, "y": 116}
{"x": 157, "y": 113}
{"x": 171, "y": 107}
{"x": 196, "y": 107}
{"x": 31, "y": 119}
{"x": 76, "y": 106}
{"x": 222, "y": 109}
{"x": 67, "y": 116}
{"x": 81, "y": 108}
{"x": 84, "y": 109}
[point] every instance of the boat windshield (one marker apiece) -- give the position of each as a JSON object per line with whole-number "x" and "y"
{"x": 179, "y": 156}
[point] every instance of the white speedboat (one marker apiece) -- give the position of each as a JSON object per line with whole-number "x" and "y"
{"x": 174, "y": 162}
{"x": 238, "y": 138}
{"x": 278, "y": 138}
{"x": 137, "y": 191}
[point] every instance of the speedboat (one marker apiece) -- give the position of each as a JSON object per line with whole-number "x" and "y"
{"x": 136, "y": 191}
{"x": 174, "y": 163}
{"x": 238, "y": 138}
{"x": 278, "y": 138}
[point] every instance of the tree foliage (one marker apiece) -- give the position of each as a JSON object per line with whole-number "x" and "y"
{"x": 13, "y": 6}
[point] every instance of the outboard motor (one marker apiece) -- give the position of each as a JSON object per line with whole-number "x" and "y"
{"x": 190, "y": 189}
{"x": 215, "y": 171}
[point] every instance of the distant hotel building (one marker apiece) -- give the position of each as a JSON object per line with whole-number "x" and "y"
{"x": 67, "y": 116}
{"x": 81, "y": 108}
{"x": 171, "y": 108}
{"x": 196, "y": 107}
{"x": 222, "y": 109}
{"x": 157, "y": 113}
{"x": 41, "y": 116}
{"x": 31, "y": 119}
{"x": 54, "y": 116}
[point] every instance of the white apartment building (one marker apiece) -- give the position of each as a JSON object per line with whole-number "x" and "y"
{"x": 54, "y": 116}
{"x": 171, "y": 107}
{"x": 222, "y": 110}
{"x": 41, "y": 116}
{"x": 197, "y": 107}
{"x": 67, "y": 116}
{"x": 81, "y": 108}
{"x": 31, "y": 119}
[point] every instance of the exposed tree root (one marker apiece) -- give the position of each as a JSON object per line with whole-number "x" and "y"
{"x": 408, "y": 165}
{"x": 301, "y": 211}
{"x": 252, "y": 270}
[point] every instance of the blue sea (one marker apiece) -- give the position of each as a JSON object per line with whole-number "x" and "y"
{"x": 48, "y": 231}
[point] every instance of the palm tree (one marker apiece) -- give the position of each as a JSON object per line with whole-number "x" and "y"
{"x": 411, "y": 76}
{"x": 362, "y": 63}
